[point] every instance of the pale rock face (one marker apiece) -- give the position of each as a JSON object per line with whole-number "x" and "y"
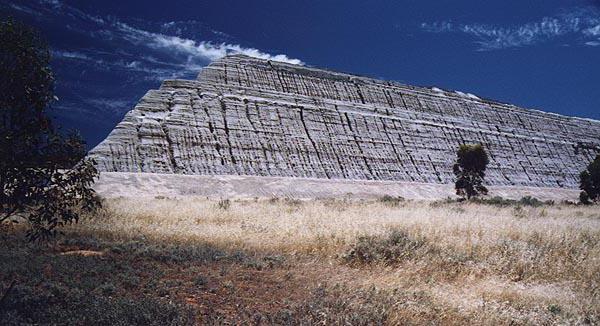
{"x": 248, "y": 116}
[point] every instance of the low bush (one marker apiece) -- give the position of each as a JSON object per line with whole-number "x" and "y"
{"x": 442, "y": 202}
{"x": 530, "y": 201}
{"x": 390, "y": 248}
{"x": 293, "y": 202}
{"x": 504, "y": 202}
{"x": 224, "y": 204}
{"x": 495, "y": 201}
{"x": 391, "y": 200}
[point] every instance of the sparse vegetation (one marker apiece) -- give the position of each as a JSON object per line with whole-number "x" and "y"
{"x": 469, "y": 169}
{"x": 224, "y": 204}
{"x": 391, "y": 200}
{"x": 503, "y": 202}
{"x": 174, "y": 261}
{"x": 392, "y": 248}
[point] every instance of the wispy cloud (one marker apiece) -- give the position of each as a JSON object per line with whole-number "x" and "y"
{"x": 150, "y": 68}
{"x": 23, "y": 9}
{"x": 139, "y": 54}
{"x": 70, "y": 55}
{"x": 113, "y": 105}
{"x": 202, "y": 50}
{"x": 592, "y": 31}
{"x": 183, "y": 53}
{"x": 583, "y": 23}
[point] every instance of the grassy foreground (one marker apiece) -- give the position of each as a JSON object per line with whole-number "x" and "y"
{"x": 191, "y": 261}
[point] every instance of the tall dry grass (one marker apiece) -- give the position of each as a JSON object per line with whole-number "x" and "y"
{"x": 328, "y": 226}
{"x": 527, "y": 264}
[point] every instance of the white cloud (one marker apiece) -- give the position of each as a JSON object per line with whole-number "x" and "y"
{"x": 70, "y": 55}
{"x": 593, "y": 31}
{"x": 24, "y": 9}
{"x": 438, "y": 27}
{"x": 111, "y": 105}
{"x": 55, "y": 3}
{"x": 582, "y": 22}
{"x": 152, "y": 71}
{"x": 133, "y": 64}
{"x": 195, "y": 50}
{"x": 159, "y": 55}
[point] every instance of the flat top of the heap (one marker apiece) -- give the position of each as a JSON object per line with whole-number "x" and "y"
{"x": 298, "y": 69}
{"x": 324, "y": 73}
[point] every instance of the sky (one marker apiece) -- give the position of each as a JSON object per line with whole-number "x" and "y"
{"x": 538, "y": 54}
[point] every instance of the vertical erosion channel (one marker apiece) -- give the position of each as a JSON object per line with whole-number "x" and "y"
{"x": 312, "y": 142}
{"x": 170, "y": 151}
{"x": 224, "y": 109}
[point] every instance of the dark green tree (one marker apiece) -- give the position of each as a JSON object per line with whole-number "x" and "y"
{"x": 589, "y": 183}
{"x": 469, "y": 169}
{"x": 45, "y": 179}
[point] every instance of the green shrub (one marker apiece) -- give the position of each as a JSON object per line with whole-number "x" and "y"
{"x": 590, "y": 183}
{"x": 469, "y": 170}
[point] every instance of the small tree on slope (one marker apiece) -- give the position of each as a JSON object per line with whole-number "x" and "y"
{"x": 589, "y": 182}
{"x": 469, "y": 169}
{"x": 44, "y": 178}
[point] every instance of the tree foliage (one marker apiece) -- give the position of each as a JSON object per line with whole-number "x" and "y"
{"x": 469, "y": 169}
{"x": 45, "y": 179}
{"x": 589, "y": 182}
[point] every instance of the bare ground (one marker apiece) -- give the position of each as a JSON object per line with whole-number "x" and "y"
{"x": 122, "y": 184}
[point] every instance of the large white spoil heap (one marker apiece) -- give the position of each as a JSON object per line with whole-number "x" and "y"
{"x": 248, "y": 116}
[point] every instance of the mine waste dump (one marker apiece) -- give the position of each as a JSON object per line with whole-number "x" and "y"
{"x": 248, "y": 116}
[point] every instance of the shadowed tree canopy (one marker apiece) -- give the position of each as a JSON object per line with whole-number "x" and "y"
{"x": 590, "y": 182}
{"x": 44, "y": 178}
{"x": 469, "y": 169}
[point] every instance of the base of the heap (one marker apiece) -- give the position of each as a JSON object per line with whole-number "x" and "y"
{"x": 122, "y": 184}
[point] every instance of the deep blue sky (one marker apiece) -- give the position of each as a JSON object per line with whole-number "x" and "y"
{"x": 542, "y": 54}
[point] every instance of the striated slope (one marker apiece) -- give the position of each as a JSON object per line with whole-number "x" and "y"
{"x": 247, "y": 116}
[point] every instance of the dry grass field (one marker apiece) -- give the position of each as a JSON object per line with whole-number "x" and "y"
{"x": 195, "y": 261}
